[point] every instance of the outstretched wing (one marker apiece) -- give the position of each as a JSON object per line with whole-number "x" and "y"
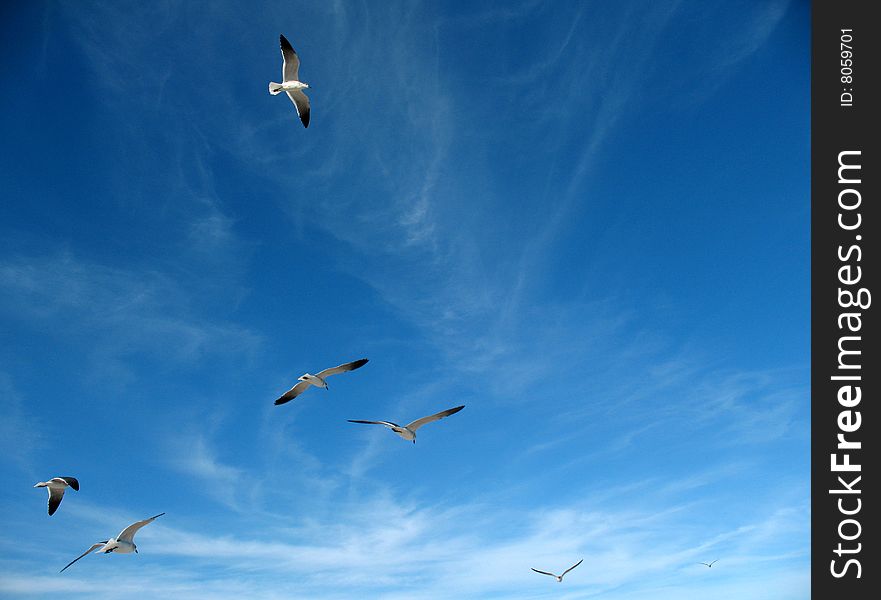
{"x": 71, "y": 481}
{"x": 128, "y": 534}
{"x": 293, "y": 392}
{"x": 301, "y": 102}
{"x": 572, "y": 567}
{"x": 290, "y": 70}
{"x": 388, "y": 424}
{"x": 355, "y": 364}
{"x": 55, "y": 496}
{"x": 95, "y": 546}
{"x": 543, "y": 572}
{"x": 444, "y": 413}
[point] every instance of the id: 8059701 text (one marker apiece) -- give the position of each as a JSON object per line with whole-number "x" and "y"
{"x": 847, "y": 75}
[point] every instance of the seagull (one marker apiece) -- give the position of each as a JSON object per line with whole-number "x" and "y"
{"x": 56, "y": 487}
{"x": 290, "y": 82}
{"x": 124, "y": 543}
{"x": 709, "y": 564}
{"x": 318, "y": 380}
{"x": 559, "y": 577}
{"x": 408, "y": 432}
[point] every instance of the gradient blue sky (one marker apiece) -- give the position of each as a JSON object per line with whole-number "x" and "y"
{"x": 587, "y": 222}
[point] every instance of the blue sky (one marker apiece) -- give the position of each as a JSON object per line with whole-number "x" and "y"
{"x": 587, "y": 223}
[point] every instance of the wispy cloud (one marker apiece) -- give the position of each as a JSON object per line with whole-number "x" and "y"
{"x": 123, "y": 311}
{"x": 139, "y": 71}
{"x": 20, "y": 434}
{"x": 753, "y": 27}
{"x": 445, "y": 551}
{"x": 759, "y": 22}
{"x": 429, "y": 204}
{"x": 192, "y": 455}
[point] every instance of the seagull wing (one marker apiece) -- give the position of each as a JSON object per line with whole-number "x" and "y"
{"x": 301, "y": 102}
{"x": 128, "y": 534}
{"x": 713, "y": 563}
{"x": 55, "y": 496}
{"x": 444, "y": 413}
{"x": 543, "y": 572}
{"x": 290, "y": 70}
{"x": 71, "y": 481}
{"x": 293, "y": 392}
{"x": 94, "y": 547}
{"x": 343, "y": 368}
{"x": 388, "y": 424}
{"x": 572, "y": 567}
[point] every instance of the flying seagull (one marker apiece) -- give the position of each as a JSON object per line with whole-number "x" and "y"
{"x": 290, "y": 82}
{"x": 56, "y": 487}
{"x": 559, "y": 577}
{"x": 318, "y": 380}
{"x": 709, "y": 564}
{"x": 124, "y": 543}
{"x": 408, "y": 431}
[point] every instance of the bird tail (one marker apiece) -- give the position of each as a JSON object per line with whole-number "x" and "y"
{"x": 274, "y": 88}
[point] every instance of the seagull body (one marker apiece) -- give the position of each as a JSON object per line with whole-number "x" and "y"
{"x": 709, "y": 564}
{"x": 290, "y": 81}
{"x": 408, "y": 432}
{"x": 559, "y": 578}
{"x": 124, "y": 543}
{"x": 308, "y": 379}
{"x": 56, "y": 487}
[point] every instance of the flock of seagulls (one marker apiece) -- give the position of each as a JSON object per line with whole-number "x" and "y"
{"x": 124, "y": 543}
{"x": 408, "y": 431}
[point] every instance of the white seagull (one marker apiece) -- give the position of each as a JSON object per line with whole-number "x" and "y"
{"x": 56, "y": 487}
{"x": 709, "y": 564}
{"x": 318, "y": 380}
{"x": 124, "y": 543}
{"x": 408, "y": 431}
{"x": 290, "y": 82}
{"x": 559, "y": 577}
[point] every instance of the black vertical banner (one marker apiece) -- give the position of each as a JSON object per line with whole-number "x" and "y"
{"x": 845, "y": 366}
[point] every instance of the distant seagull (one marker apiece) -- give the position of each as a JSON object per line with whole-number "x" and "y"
{"x": 290, "y": 82}
{"x": 559, "y": 577}
{"x": 56, "y": 487}
{"x": 709, "y": 564}
{"x": 408, "y": 432}
{"x": 318, "y": 380}
{"x": 124, "y": 543}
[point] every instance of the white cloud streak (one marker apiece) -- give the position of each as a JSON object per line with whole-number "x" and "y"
{"x": 122, "y": 311}
{"x": 20, "y": 434}
{"x": 444, "y": 551}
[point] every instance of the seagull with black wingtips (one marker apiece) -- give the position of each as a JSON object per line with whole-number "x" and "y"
{"x": 56, "y": 487}
{"x": 124, "y": 543}
{"x": 559, "y": 578}
{"x": 318, "y": 380}
{"x": 408, "y": 431}
{"x": 290, "y": 81}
